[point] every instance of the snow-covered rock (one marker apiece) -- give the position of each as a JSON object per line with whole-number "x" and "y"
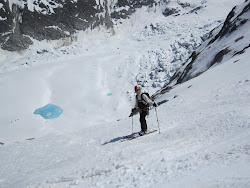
{"x": 226, "y": 41}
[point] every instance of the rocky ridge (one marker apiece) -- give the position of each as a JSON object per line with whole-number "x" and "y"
{"x": 232, "y": 37}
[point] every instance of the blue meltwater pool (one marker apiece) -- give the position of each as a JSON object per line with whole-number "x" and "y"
{"x": 49, "y": 111}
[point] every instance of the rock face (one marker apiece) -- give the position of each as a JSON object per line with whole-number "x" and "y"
{"x": 56, "y": 19}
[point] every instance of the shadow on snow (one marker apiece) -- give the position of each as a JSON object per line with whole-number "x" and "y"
{"x": 119, "y": 138}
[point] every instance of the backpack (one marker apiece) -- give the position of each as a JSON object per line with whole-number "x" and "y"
{"x": 144, "y": 103}
{"x": 147, "y": 96}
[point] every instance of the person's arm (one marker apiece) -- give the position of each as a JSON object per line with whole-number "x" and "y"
{"x": 136, "y": 102}
{"x": 148, "y": 100}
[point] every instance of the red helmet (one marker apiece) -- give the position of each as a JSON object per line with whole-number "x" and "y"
{"x": 137, "y": 88}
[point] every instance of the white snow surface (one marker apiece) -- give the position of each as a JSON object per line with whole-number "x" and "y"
{"x": 204, "y": 128}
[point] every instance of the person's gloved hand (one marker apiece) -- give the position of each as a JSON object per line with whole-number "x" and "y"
{"x": 133, "y": 109}
{"x": 155, "y": 105}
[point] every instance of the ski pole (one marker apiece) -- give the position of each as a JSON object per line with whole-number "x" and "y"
{"x": 132, "y": 125}
{"x": 158, "y": 121}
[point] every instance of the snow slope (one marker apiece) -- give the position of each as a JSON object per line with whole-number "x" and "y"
{"x": 204, "y": 140}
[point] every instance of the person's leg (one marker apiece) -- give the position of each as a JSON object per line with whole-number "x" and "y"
{"x": 143, "y": 121}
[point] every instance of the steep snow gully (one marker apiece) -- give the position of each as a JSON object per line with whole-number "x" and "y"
{"x": 205, "y": 125}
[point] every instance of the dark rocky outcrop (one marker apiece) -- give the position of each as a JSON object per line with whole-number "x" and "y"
{"x": 61, "y": 21}
{"x": 16, "y": 42}
{"x": 170, "y": 11}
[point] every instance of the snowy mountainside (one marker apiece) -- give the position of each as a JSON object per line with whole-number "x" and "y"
{"x": 168, "y": 40}
{"x": 230, "y": 39}
{"x": 23, "y": 21}
{"x": 205, "y": 125}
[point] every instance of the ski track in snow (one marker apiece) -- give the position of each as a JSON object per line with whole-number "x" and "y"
{"x": 204, "y": 140}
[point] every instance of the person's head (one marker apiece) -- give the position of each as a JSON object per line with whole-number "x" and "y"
{"x": 137, "y": 89}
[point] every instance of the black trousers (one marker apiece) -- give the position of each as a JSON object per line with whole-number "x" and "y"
{"x": 143, "y": 120}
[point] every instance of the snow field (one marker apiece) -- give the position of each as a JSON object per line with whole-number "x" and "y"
{"x": 205, "y": 128}
{"x": 204, "y": 140}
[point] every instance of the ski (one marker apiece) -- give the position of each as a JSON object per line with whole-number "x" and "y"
{"x": 136, "y": 135}
{"x": 161, "y": 102}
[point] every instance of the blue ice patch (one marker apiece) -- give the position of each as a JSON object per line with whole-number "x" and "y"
{"x": 49, "y": 111}
{"x": 109, "y": 94}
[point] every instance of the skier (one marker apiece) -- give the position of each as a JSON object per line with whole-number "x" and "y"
{"x": 142, "y": 102}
